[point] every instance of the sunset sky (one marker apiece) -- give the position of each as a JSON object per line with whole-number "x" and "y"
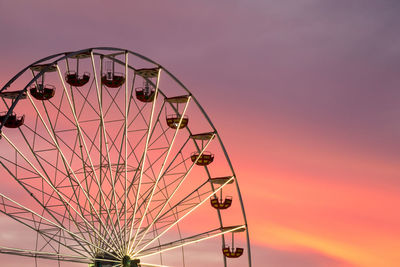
{"x": 304, "y": 93}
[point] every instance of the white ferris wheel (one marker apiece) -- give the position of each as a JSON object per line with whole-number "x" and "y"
{"x": 107, "y": 159}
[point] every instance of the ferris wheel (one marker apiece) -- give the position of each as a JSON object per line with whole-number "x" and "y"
{"x": 107, "y": 159}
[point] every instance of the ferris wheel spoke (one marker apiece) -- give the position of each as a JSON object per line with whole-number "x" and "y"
{"x": 142, "y": 201}
{"x": 157, "y": 122}
{"x": 92, "y": 145}
{"x": 78, "y": 137}
{"x": 142, "y": 115}
{"x": 63, "y": 200}
{"x": 178, "y": 186}
{"x": 187, "y": 202}
{"x": 84, "y": 165}
{"x": 112, "y": 179}
{"x": 170, "y": 184}
{"x": 94, "y": 179}
{"x": 84, "y": 97}
{"x": 155, "y": 230}
{"x": 72, "y": 148}
{"x": 79, "y": 129}
{"x": 139, "y": 114}
{"x": 25, "y": 183}
{"x": 113, "y": 102}
{"x": 86, "y": 102}
{"x": 176, "y": 155}
{"x": 125, "y": 141}
{"x": 190, "y": 240}
{"x": 159, "y": 137}
{"x": 30, "y": 188}
{"x": 37, "y": 135}
{"x": 147, "y": 193}
{"x": 113, "y": 139}
{"x": 162, "y": 169}
{"x": 104, "y": 132}
{"x": 87, "y": 162}
{"x": 67, "y": 165}
{"x": 171, "y": 166}
{"x": 19, "y": 166}
{"x": 34, "y": 221}
{"x": 44, "y": 255}
{"x": 185, "y": 214}
{"x": 144, "y": 156}
{"x": 133, "y": 148}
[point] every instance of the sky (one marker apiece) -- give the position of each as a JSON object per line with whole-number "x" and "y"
{"x": 304, "y": 94}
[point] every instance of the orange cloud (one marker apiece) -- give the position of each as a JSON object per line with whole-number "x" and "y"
{"x": 352, "y": 224}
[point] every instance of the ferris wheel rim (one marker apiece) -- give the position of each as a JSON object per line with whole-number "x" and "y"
{"x": 66, "y": 55}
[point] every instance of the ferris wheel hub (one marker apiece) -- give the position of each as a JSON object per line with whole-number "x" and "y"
{"x": 128, "y": 262}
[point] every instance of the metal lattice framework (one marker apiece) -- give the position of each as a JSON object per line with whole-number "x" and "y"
{"x": 111, "y": 165}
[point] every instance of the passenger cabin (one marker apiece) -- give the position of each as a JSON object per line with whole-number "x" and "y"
{"x": 111, "y": 78}
{"x": 147, "y": 92}
{"x": 204, "y": 159}
{"x": 12, "y": 121}
{"x": 174, "y": 119}
{"x": 74, "y": 79}
{"x": 42, "y": 92}
{"x": 232, "y": 252}
{"x": 220, "y": 204}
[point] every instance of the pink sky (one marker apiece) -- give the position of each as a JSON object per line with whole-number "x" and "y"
{"x": 304, "y": 94}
